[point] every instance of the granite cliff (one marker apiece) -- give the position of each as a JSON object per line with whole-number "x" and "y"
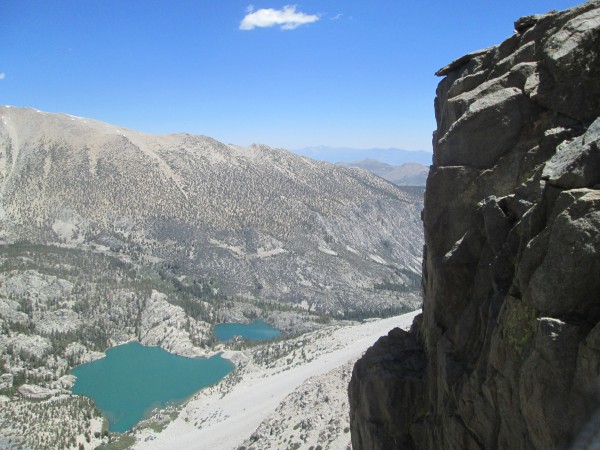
{"x": 506, "y": 353}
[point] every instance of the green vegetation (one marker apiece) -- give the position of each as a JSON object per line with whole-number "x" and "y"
{"x": 520, "y": 322}
{"x": 159, "y": 420}
{"x": 104, "y": 297}
{"x": 87, "y": 301}
{"x": 411, "y": 282}
{"x": 376, "y": 313}
{"x": 118, "y": 442}
{"x": 48, "y": 424}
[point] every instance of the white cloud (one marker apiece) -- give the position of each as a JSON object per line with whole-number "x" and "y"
{"x": 2, "y": 75}
{"x": 337, "y": 16}
{"x": 287, "y": 18}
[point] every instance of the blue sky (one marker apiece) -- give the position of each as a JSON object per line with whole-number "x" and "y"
{"x": 345, "y": 73}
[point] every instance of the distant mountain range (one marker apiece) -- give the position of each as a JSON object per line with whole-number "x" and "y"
{"x": 391, "y": 156}
{"x": 407, "y": 174}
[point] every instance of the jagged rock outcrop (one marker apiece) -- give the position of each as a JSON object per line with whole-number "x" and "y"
{"x": 506, "y": 353}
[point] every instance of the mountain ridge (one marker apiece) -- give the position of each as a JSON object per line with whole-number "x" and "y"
{"x": 393, "y": 156}
{"x": 258, "y": 219}
{"x": 407, "y": 174}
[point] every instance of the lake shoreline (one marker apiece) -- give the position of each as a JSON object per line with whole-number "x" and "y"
{"x": 133, "y": 379}
{"x": 224, "y": 416}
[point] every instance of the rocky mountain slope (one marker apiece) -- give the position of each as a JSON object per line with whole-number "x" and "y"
{"x": 262, "y": 222}
{"x": 506, "y": 353}
{"x": 108, "y": 235}
{"x": 407, "y": 174}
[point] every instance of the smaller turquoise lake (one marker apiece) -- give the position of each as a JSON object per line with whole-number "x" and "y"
{"x": 132, "y": 379}
{"x": 255, "y": 331}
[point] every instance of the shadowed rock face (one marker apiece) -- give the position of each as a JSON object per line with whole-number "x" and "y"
{"x": 507, "y": 346}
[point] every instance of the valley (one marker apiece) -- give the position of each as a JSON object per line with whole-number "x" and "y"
{"x": 272, "y": 399}
{"x": 262, "y": 222}
{"x": 110, "y": 236}
{"x": 168, "y": 283}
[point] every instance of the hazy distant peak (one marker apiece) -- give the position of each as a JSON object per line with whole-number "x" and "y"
{"x": 392, "y": 156}
{"x": 407, "y": 174}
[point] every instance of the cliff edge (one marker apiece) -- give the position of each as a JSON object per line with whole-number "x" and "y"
{"x": 506, "y": 353}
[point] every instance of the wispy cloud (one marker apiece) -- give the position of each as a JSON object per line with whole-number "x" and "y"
{"x": 2, "y": 75}
{"x": 287, "y": 18}
{"x": 337, "y": 17}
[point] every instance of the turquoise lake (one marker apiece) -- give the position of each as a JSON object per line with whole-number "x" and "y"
{"x": 255, "y": 331}
{"x": 132, "y": 379}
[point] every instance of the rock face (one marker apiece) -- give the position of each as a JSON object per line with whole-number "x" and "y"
{"x": 506, "y": 353}
{"x": 262, "y": 222}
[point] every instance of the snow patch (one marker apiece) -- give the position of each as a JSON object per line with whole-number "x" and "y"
{"x": 304, "y": 305}
{"x": 378, "y": 259}
{"x": 68, "y": 226}
{"x": 327, "y": 250}
{"x": 237, "y": 251}
{"x": 351, "y": 250}
{"x": 262, "y": 253}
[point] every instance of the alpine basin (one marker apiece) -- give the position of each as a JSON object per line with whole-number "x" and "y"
{"x": 133, "y": 379}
